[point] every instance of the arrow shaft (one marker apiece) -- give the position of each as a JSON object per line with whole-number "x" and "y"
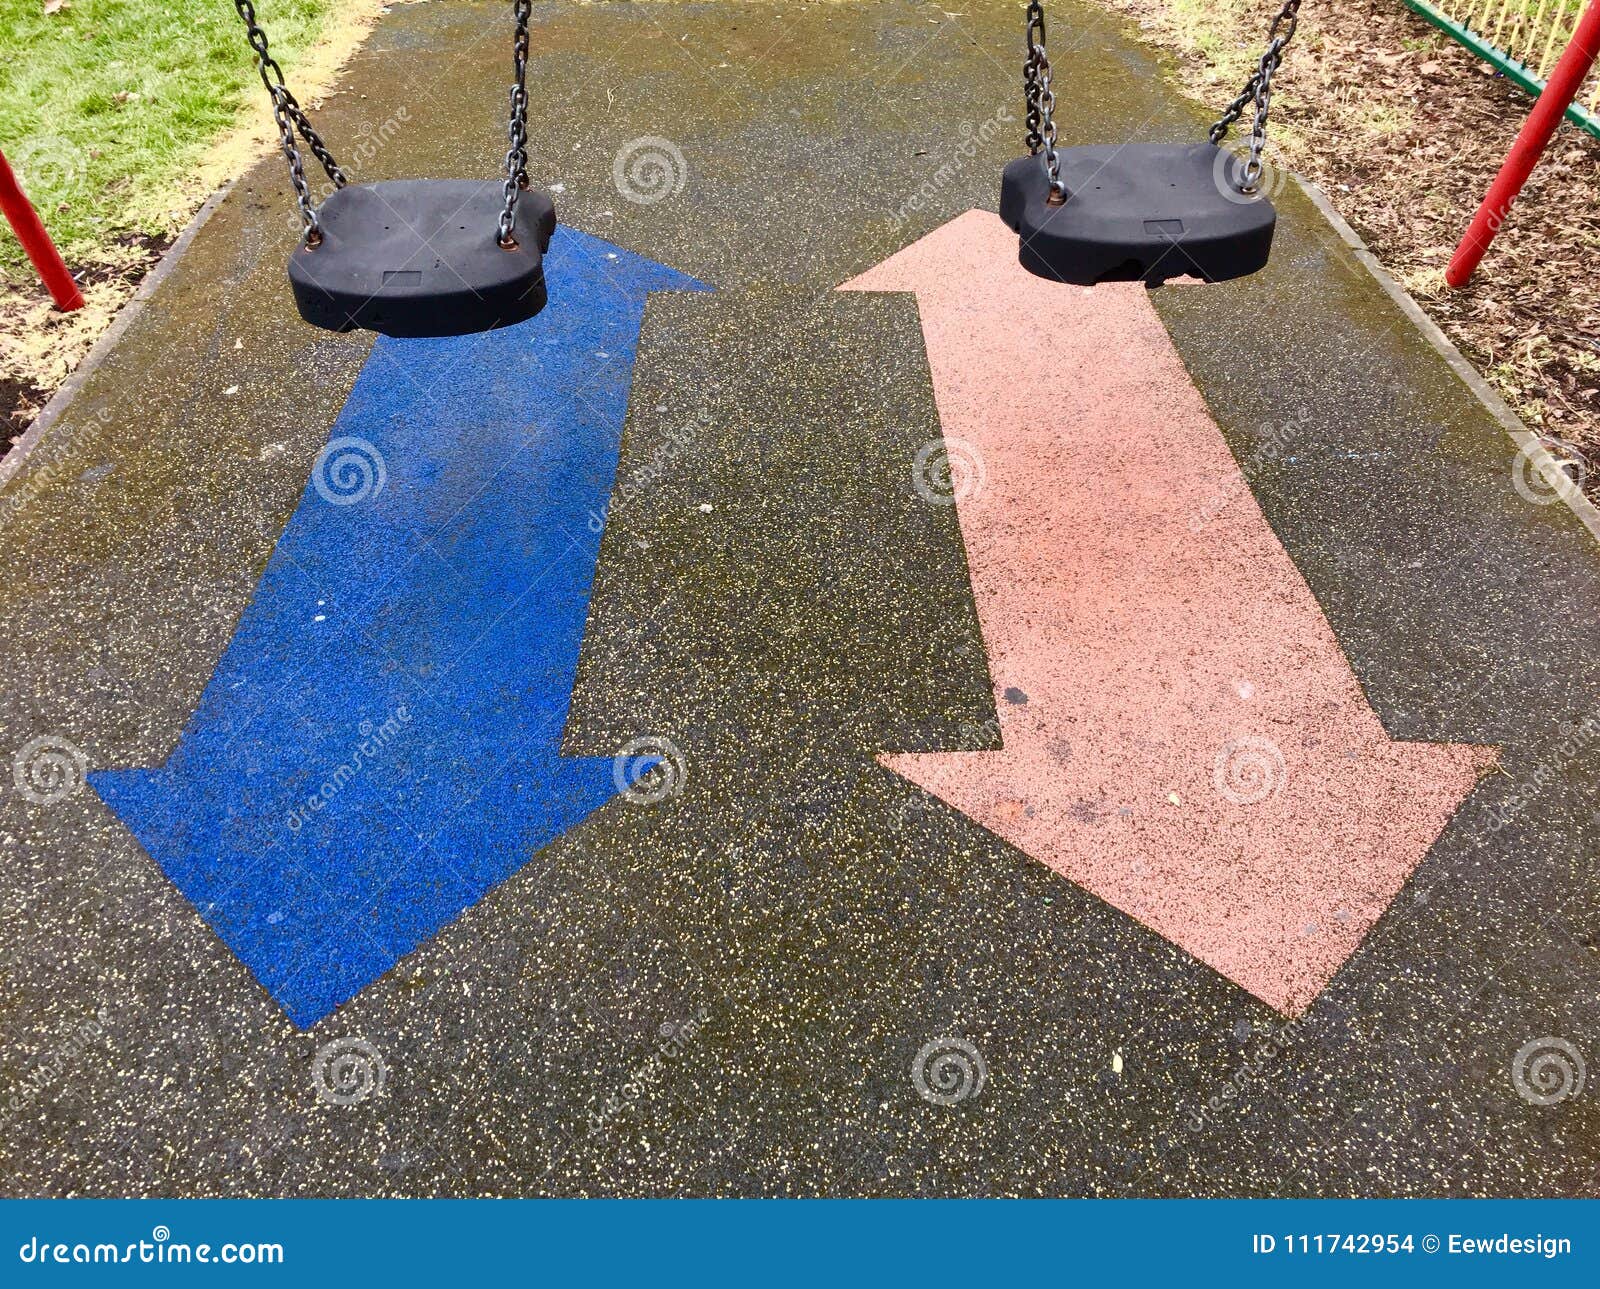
{"x": 1182, "y": 732}
{"x": 379, "y": 745}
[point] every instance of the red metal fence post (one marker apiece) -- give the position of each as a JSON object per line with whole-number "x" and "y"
{"x": 30, "y": 231}
{"x": 1537, "y": 131}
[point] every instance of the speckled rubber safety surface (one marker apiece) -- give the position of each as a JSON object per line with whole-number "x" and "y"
{"x": 1182, "y": 779}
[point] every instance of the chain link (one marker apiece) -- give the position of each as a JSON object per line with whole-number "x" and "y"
{"x": 290, "y": 116}
{"x": 1041, "y": 120}
{"x": 1030, "y": 77}
{"x": 1258, "y": 89}
{"x": 517, "y": 130}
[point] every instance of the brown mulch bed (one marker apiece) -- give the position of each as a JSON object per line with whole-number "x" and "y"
{"x": 1404, "y": 130}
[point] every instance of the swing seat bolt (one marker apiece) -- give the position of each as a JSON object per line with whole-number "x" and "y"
{"x": 1139, "y": 212}
{"x": 409, "y": 257}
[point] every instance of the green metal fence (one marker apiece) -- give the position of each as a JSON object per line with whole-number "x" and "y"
{"x": 1522, "y": 38}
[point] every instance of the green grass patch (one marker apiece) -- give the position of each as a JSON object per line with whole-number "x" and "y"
{"x": 1207, "y": 28}
{"x": 107, "y": 105}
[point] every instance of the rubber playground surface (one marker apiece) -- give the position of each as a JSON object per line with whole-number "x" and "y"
{"x": 816, "y": 711}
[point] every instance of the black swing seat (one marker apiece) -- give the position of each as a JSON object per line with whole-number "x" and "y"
{"x": 420, "y": 257}
{"x": 1138, "y": 212}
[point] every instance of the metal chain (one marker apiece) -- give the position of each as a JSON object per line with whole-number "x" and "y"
{"x": 1041, "y": 135}
{"x": 319, "y": 149}
{"x": 290, "y": 116}
{"x": 1258, "y": 89}
{"x": 1030, "y": 76}
{"x": 517, "y": 131}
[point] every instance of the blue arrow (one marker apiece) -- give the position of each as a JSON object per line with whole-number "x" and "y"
{"x": 380, "y": 743}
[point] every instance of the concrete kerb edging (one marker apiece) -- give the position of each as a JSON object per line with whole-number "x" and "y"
{"x": 51, "y": 412}
{"x": 1526, "y": 440}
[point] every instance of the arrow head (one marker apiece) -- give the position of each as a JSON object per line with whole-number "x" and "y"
{"x": 318, "y": 903}
{"x": 1182, "y": 734}
{"x": 379, "y": 745}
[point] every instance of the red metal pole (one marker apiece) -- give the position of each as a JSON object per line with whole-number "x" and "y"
{"x": 1536, "y": 134}
{"x": 30, "y": 231}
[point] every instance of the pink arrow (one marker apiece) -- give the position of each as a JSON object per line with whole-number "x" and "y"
{"x": 1182, "y": 734}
